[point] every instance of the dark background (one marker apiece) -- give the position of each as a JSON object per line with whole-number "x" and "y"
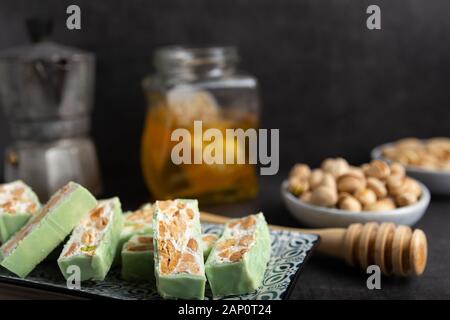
{"x": 333, "y": 87}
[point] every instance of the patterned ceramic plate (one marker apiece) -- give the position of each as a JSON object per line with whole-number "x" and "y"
{"x": 289, "y": 252}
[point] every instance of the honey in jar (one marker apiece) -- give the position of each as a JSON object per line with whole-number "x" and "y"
{"x": 198, "y": 84}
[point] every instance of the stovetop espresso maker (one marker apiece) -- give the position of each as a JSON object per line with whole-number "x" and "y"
{"x": 46, "y": 93}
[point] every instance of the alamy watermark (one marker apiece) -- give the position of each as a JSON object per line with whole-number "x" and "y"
{"x": 73, "y": 21}
{"x": 373, "y": 22}
{"x": 374, "y": 280}
{"x": 212, "y": 147}
{"x": 74, "y": 279}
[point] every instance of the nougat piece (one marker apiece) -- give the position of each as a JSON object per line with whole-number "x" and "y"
{"x": 46, "y": 229}
{"x": 238, "y": 260}
{"x": 138, "y": 260}
{"x": 93, "y": 243}
{"x": 137, "y": 222}
{"x": 179, "y": 266}
{"x": 17, "y": 204}
{"x": 208, "y": 241}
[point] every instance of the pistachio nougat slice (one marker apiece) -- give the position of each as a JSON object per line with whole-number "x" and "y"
{"x": 17, "y": 204}
{"x": 208, "y": 241}
{"x": 137, "y": 222}
{"x": 179, "y": 266}
{"x": 93, "y": 243}
{"x": 46, "y": 229}
{"x": 238, "y": 260}
{"x": 138, "y": 260}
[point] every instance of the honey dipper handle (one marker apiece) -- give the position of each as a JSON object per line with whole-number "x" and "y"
{"x": 331, "y": 239}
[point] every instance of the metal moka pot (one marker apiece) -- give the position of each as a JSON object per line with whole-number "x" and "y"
{"x": 46, "y": 93}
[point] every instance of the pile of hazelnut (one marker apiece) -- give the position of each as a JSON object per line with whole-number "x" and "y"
{"x": 374, "y": 186}
{"x": 433, "y": 154}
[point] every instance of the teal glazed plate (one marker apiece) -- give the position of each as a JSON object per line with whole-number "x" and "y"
{"x": 290, "y": 250}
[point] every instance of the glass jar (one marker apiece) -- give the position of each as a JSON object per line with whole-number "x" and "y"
{"x": 198, "y": 84}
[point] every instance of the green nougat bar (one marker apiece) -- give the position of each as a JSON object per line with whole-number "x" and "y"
{"x": 17, "y": 204}
{"x": 237, "y": 263}
{"x": 93, "y": 243}
{"x": 135, "y": 222}
{"x": 179, "y": 266}
{"x": 137, "y": 259}
{"x": 46, "y": 229}
{"x": 208, "y": 241}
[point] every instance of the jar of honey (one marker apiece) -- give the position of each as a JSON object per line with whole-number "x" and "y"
{"x": 192, "y": 87}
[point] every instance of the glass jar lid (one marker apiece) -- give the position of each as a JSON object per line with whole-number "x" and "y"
{"x": 178, "y": 59}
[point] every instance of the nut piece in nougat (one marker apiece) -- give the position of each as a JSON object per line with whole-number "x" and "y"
{"x": 238, "y": 260}
{"x": 138, "y": 260}
{"x": 17, "y": 204}
{"x": 46, "y": 229}
{"x": 137, "y": 222}
{"x": 208, "y": 241}
{"x": 179, "y": 266}
{"x": 93, "y": 243}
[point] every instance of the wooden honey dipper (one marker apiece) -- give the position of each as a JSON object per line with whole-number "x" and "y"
{"x": 397, "y": 250}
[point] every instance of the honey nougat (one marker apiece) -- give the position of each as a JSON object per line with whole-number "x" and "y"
{"x": 238, "y": 260}
{"x": 17, "y": 204}
{"x": 46, "y": 229}
{"x": 208, "y": 241}
{"x": 179, "y": 266}
{"x": 138, "y": 260}
{"x": 137, "y": 222}
{"x": 93, "y": 243}
{"x": 137, "y": 256}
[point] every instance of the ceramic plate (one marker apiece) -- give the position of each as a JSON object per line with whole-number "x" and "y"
{"x": 290, "y": 250}
{"x": 322, "y": 217}
{"x": 437, "y": 181}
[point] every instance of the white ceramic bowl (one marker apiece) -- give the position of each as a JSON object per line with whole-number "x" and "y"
{"x": 438, "y": 182}
{"x": 322, "y": 217}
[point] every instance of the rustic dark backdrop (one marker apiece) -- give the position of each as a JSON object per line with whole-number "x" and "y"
{"x": 332, "y": 86}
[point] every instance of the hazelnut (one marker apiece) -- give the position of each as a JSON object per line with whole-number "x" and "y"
{"x": 316, "y": 177}
{"x": 328, "y": 181}
{"x": 405, "y": 199}
{"x": 413, "y": 187}
{"x": 342, "y": 195}
{"x": 412, "y": 156}
{"x": 377, "y": 169}
{"x": 350, "y": 203}
{"x": 364, "y": 167}
{"x": 356, "y": 171}
{"x": 432, "y": 154}
{"x": 428, "y": 162}
{"x": 350, "y": 183}
{"x": 408, "y": 143}
{"x": 377, "y": 186}
{"x": 384, "y": 204}
{"x": 366, "y": 196}
{"x": 297, "y": 186}
{"x": 390, "y": 152}
{"x": 397, "y": 186}
{"x": 324, "y": 196}
{"x": 306, "y": 196}
{"x": 336, "y": 167}
{"x": 300, "y": 170}
{"x": 397, "y": 169}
